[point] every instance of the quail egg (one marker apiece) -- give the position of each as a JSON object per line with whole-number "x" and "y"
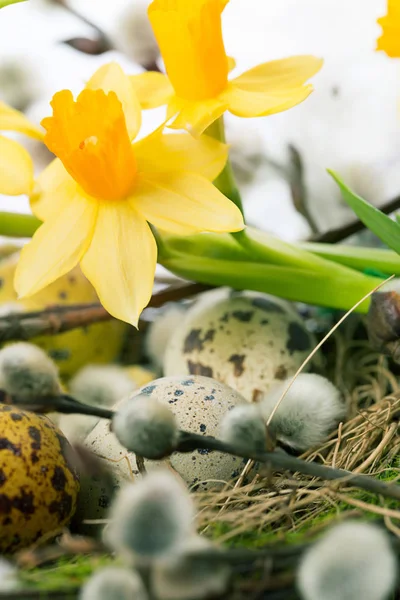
{"x": 199, "y": 404}
{"x": 246, "y": 340}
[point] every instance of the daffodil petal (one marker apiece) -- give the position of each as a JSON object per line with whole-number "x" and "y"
{"x": 111, "y": 78}
{"x": 193, "y": 116}
{"x": 160, "y": 152}
{"x": 56, "y": 247}
{"x": 184, "y": 203}
{"x": 279, "y": 75}
{"x": 152, "y": 89}
{"x": 121, "y": 260}
{"x": 16, "y": 168}
{"x": 389, "y": 41}
{"x": 258, "y": 104}
{"x": 13, "y": 120}
{"x": 53, "y": 187}
{"x": 231, "y": 63}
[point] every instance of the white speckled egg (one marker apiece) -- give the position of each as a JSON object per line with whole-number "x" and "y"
{"x": 247, "y": 340}
{"x": 199, "y": 404}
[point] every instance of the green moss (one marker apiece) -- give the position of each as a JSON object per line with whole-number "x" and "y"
{"x": 63, "y": 574}
{"x": 272, "y": 534}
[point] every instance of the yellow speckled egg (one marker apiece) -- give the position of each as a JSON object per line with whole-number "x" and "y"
{"x": 98, "y": 343}
{"x": 38, "y": 482}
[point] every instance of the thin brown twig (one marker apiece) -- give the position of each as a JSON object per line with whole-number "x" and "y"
{"x": 58, "y": 319}
{"x": 332, "y": 236}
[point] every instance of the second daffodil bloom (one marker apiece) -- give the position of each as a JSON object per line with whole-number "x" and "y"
{"x": 197, "y": 89}
{"x": 16, "y": 166}
{"x": 97, "y": 197}
{"x": 389, "y": 41}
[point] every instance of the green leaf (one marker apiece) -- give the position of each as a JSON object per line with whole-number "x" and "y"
{"x": 379, "y": 223}
{"x": 356, "y": 257}
{"x": 328, "y": 288}
{"x": 4, "y": 3}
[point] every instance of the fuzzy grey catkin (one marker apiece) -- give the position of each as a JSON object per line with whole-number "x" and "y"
{"x": 308, "y": 413}
{"x": 244, "y": 427}
{"x": 146, "y": 427}
{"x": 191, "y": 574}
{"x": 151, "y": 518}
{"x": 97, "y": 385}
{"x": 27, "y": 373}
{"x": 354, "y": 560}
{"x": 113, "y": 583}
{"x": 159, "y": 332}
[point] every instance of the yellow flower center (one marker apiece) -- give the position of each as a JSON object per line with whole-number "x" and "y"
{"x": 90, "y": 137}
{"x": 189, "y": 35}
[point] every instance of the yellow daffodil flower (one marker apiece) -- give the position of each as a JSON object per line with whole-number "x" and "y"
{"x": 97, "y": 197}
{"x": 389, "y": 41}
{"x": 197, "y": 90}
{"x": 16, "y": 167}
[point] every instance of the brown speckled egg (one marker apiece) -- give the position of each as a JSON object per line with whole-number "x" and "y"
{"x": 199, "y": 404}
{"x": 247, "y": 340}
{"x": 38, "y": 483}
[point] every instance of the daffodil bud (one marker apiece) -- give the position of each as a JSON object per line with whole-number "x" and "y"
{"x": 244, "y": 427}
{"x": 27, "y": 373}
{"x": 114, "y": 583}
{"x": 151, "y": 518}
{"x": 191, "y": 574}
{"x": 134, "y": 36}
{"x": 145, "y": 426}
{"x": 159, "y": 332}
{"x": 97, "y": 385}
{"x": 353, "y": 560}
{"x": 308, "y": 413}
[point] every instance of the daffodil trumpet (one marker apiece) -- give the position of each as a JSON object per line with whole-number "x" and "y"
{"x": 389, "y": 40}
{"x": 197, "y": 88}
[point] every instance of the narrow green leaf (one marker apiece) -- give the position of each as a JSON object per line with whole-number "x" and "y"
{"x": 356, "y": 257}
{"x": 18, "y": 225}
{"x": 302, "y": 285}
{"x": 4, "y": 3}
{"x": 379, "y": 223}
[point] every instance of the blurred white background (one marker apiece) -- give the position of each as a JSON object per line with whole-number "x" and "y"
{"x": 350, "y": 123}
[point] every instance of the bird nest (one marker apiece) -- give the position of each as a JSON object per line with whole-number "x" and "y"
{"x": 281, "y": 507}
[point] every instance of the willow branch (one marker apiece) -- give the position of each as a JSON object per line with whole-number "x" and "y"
{"x": 281, "y": 461}
{"x": 332, "y": 236}
{"x": 58, "y": 319}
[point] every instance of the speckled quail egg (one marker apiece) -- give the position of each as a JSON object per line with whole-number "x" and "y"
{"x": 199, "y": 404}
{"x": 96, "y": 343}
{"x": 38, "y": 481}
{"x": 246, "y": 340}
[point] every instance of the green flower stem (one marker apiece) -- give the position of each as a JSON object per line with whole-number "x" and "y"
{"x": 261, "y": 247}
{"x": 17, "y": 225}
{"x": 325, "y": 288}
{"x": 356, "y": 257}
{"x": 225, "y": 181}
{"x": 4, "y": 3}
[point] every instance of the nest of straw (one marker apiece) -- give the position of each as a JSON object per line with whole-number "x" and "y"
{"x": 289, "y": 507}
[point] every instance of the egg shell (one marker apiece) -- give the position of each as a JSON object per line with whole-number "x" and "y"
{"x": 39, "y": 484}
{"x": 98, "y": 343}
{"x": 199, "y": 404}
{"x": 246, "y": 340}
